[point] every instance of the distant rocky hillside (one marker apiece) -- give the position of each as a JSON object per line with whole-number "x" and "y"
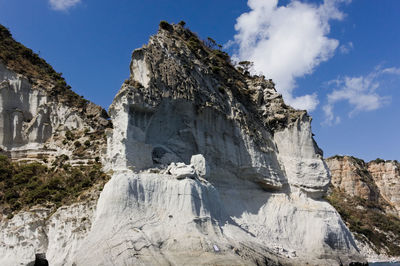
{"x": 367, "y": 196}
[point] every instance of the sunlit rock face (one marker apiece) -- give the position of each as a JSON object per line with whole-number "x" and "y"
{"x": 350, "y": 175}
{"x": 33, "y": 122}
{"x": 374, "y": 181}
{"x": 370, "y": 192}
{"x": 24, "y": 115}
{"x": 386, "y": 175}
{"x": 210, "y": 167}
{"x": 41, "y": 231}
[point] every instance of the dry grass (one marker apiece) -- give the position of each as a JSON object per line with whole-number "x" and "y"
{"x": 367, "y": 218}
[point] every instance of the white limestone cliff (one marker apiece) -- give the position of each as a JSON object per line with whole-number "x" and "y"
{"x": 33, "y": 124}
{"x": 258, "y": 202}
{"x": 41, "y": 230}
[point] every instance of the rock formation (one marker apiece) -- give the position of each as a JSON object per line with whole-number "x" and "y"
{"x": 209, "y": 167}
{"x": 367, "y": 196}
{"x": 386, "y": 175}
{"x": 43, "y": 121}
{"x": 259, "y": 201}
{"x": 40, "y": 117}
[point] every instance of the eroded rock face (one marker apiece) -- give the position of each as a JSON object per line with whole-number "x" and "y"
{"x": 40, "y": 231}
{"x": 367, "y": 195}
{"x": 350, "y": 175}
{"x": 34, "y": 124}
{"x": 183, "y": 111}
{"x": 375, "y": 181}
{"x": 261, "y": 198}
{"x": 386, "y": 176}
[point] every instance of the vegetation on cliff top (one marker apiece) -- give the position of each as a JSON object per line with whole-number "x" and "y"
{"x": 368, "y": 219}
{"x": 230, "y": 78}
{"x": 24, "y": 61}
{"x": 25, "y": 185}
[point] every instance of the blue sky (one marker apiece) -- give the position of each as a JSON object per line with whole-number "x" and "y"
{"x": 339, "y": 59}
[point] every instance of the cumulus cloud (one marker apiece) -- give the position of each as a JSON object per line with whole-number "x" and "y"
{"x": 359, "y": 92}
{"x": 63, "y": 4}
{"x": 287, "y": 42}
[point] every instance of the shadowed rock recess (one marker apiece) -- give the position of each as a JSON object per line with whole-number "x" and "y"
{"x": 209, "y": 167}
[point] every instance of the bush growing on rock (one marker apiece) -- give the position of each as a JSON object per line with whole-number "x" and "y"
{"x": 378, "y": 161}
{"x": 370, "y": 222}
{"x": 69, "y": 135}
{"x": 24, "y": 185}
{"x": 165, "y": 25}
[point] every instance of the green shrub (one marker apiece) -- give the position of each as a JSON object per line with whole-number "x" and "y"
{"x": 194, "y": 44}
{"x": 69, "y": 135}
{"x": 77, "y": 144}
{"x": 165, "y": 25}
{"x": 24, "y": 185}
{"x": 11, "y": 194}
{"x": 87, "y": 143}
{"x": 24, "y": 61}
{"x": 215, "y": 69}
{"x": 378, "y": 161}
{"x": 364, "y": 221}
{"x": 221, "y": 54}
{"x": 210, "y": 43}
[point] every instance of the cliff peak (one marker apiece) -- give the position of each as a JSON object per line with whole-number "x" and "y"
{"x": 176, "y": 63}
{"x": 22, "y": 60}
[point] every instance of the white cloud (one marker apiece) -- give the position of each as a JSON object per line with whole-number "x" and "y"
{"x": 346, "y": 48}
{"x": 63, "y": 4}
{"x": 391, "y": 70}
{"x": 359, "y": 92}
{"x": 287, "y": 42}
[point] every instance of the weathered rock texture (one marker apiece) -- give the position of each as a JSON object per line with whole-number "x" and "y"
{"x": 386, "y": 175}
{"x": 210, "y": 167}
{"x": 260, "y": 199}
{"x": 40, "y": 117}
{"x": 367, "y": 196}
{"x": 43, "y": 121}
{"x": 40, "y": 230}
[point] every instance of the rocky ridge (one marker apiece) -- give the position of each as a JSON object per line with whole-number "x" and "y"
{"x": 367, "y": 197}
{"x": 209, "y": 166}
{"x": 40, "y": 116}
